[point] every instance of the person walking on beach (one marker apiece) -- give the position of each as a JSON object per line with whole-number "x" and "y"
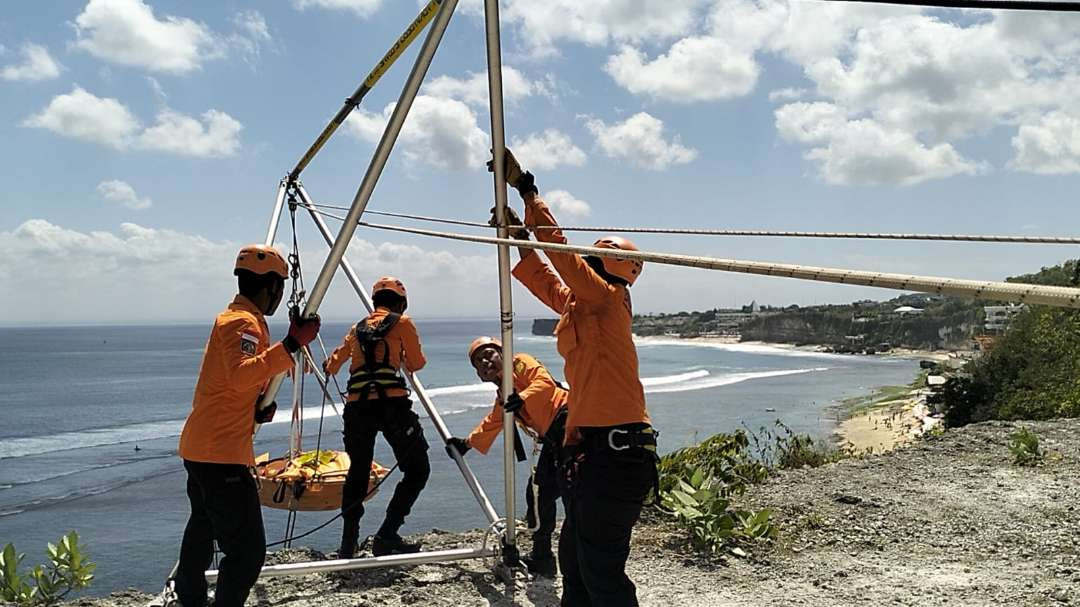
{"x": 609, "y": 462}
{"x": 539, "y": 405}
{"x": 216, "y": 443}
{"x": 379, "y": 347}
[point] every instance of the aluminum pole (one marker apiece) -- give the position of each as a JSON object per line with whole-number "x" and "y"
{"x": 371, "y": 177}
{"x": 506, "y": 306}
{"x": 416, "y": 558}
{"x": 377, "y": 72}
{"x": 418, "y": 388}
{"x": 382, "y": 154}
{"x": 275, "y": 217}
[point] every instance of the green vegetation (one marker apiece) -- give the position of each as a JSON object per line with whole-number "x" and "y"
{"x": 1032, "y": 372}
{"x": 1024, "y": 446}
{"x": 699, "y": 484}
{"x": 870, "y": 326}
{"x": 68, "y": 570}
{"x": 863, "y": 326}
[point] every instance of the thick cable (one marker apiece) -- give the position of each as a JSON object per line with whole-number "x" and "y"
{"x": 1009, "y": 5}
{"x": 1061, "y": 297}
{"x": 755, "y": 233}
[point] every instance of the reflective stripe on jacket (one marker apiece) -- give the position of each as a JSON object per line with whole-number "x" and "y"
{"x": 405, "y": 351}
{"x": 543, "y": 398}
{"x": 594, "y": 332}
{"x": 237, "y": 364}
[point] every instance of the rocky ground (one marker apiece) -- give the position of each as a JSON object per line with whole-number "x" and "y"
{"x": 942, "y": 521}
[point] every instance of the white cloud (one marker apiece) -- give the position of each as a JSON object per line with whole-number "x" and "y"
{"x": 81, "y": 115}
{"x": 473, "y": 89}
{"x": 120, "y": 192}
{"x": 787, "y": 94}
{"x": 564, "y": 203}
{"x": 547, "y": 150}
{"x": 216, "y": 135}
{"x": 362, "y": 8}
{"x": 864, "y": 152}
{"x": 105, "y": 121}
{"x": 542, "y": 25}
{"x": 128, "y": 33}
{"x": 36, "y": 65}
{"x": 917, "y": 82}
{"x": 640, "y": 139}
{"x": 693, "y": 70}
{"x": 136, "y": 273}
{"x": 439, "y": 132}
{"x": 1049, "y": 146}
{"x": 251, "y": 36}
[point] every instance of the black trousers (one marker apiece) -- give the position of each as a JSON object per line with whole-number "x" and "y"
{"x": 603, "y": 502}
{"x": 400, "y": 426}
{"x": 224, "y": 507}
{"x": 541, "y": 505}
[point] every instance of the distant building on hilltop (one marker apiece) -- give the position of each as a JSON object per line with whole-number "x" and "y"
{"x": 998, "y": 318}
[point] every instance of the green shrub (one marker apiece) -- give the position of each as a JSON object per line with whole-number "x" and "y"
{"x": 1032, "y": 371}
{"x": 782, "y": 449}
{"x": 67, "y": 570}
{"x": 1024, "y": 446}
{"x": 700, "y": 505}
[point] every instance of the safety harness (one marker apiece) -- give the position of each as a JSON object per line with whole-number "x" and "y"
{"x": 376, "y": 373}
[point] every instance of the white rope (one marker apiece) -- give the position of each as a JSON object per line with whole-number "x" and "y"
{"x": 755, "y": 233}
{"x": 1062, "y": 297}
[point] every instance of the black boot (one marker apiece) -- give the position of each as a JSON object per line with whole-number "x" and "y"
{"x": 350, "y": 535}
{"x": 541, "y": 563}
{"x": 383, "y": 545}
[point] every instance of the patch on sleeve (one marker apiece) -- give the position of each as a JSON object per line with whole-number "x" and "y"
{"x": 248, "y": 344}
{"x": 519, "y": 366}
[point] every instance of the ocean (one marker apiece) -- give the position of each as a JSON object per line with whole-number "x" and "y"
{"x": 76, "y": 401}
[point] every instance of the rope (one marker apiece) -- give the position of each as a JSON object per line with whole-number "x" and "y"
{"x": 769, "y": 233}
{"x": 1060, "y": 297}
{"x": 1016, "y": 5}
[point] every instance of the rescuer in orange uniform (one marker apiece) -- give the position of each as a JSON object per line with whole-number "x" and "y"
{"x": 216, "y": 443}
{"x": 609, "y": 466}
{"x": 539, "y": 405}
{"x": 379, "y": 347}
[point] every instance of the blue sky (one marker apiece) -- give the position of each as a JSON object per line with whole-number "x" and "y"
{"x": 144, "y": 139}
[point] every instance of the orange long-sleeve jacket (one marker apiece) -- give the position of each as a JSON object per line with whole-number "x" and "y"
{"x": 237, "y": 364}
{"x": 594, "y": 332}
{"x": 405, "y": 351}
{"x": 543, "y": 398}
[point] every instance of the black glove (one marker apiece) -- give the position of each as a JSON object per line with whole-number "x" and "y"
{"x": 302, "y": 331}
{"x": 516, "y": 229}
{"x": 526, "y": 184}
{"x": 460, "y": 445}
{"x": 514, "y": 403}
{"x": 266, "y": 414}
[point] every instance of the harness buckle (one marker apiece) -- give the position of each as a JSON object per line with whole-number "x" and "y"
{"x": 611, "y": 439}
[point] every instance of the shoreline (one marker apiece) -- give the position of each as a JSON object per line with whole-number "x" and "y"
{"x": 879, "y": 421}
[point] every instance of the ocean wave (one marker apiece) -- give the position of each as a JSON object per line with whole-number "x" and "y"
{"x": 692, "y": 379}
{"x": 726, "y": 380}
{"x": 463, "y": 389}
{"x": 118, "y": 435}
{"x": 745, "y": 348}
{"x": 50, "y": 476}
{"x": 81, "y": 492}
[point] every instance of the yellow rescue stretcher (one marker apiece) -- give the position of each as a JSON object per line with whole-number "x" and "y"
{"x": 308, "y": 482}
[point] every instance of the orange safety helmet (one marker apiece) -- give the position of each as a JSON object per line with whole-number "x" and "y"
{"x": 389, "y": 283}
{"x": 626, "y": 269}
{"x": 482, "y": 342}
{"x": 261, "y": 259}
